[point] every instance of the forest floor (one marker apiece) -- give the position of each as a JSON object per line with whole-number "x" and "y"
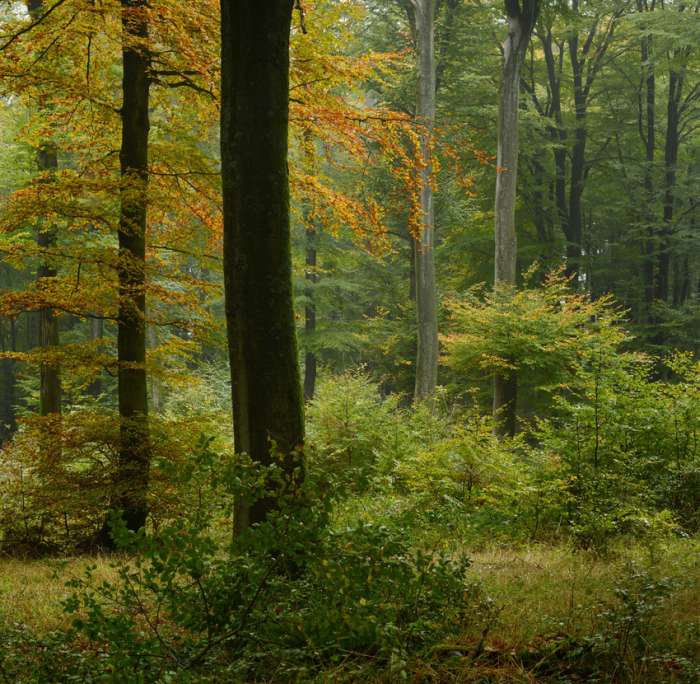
{"x": 550, "y": 608}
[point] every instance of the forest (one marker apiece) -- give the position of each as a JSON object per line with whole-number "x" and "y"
{"x": 350, "y": 341}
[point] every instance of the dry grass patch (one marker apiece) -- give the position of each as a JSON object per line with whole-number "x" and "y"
{"x": 31, "y": 590}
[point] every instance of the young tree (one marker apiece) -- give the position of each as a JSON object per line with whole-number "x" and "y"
{"x": 521, "y": 21}
{"x": 266, "y": 392}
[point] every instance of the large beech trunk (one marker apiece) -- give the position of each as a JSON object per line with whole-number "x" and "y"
{"x": 521, "y": 20}
{"x": 133, "y": 462}
{"x": 266, "y": 391}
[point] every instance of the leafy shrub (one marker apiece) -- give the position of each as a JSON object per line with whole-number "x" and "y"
{"x": 540, "y": 333}
{"x": 360, "y": 436}
{"x": 290, "y": 598}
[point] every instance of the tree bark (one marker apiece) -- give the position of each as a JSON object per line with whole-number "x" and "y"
{"x": 133, "y": 460}
{"x": 97, "y": 326}
{"x": 266, "y": 391}
{"x": 311, "y": 277}
{"x": 647, "y": 130}
{"x": 671, "y": 145}
{"x": 521, "y": 21}
{"x": 424, "y": 253}
{"x": 48, "y": 333}
{"x": 8, "y": 380}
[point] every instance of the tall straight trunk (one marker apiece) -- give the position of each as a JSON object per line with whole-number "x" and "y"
{"x": 266, "y": 390}
{"x": 155, "y": 386}
{"x": 311, "y": 277}
{"x": 8, "y": 380}
{"x": 671, "y": 145}
{"x": 133, "y": 462}
{"x": 47, "y": 323}
{"x": 521, "y": 21}
{"x": 424, "y": 253}
{"x": 97, "y": 327}
{"x": 574, "y": 238}
{"x": 556, "y": 131}
{"x": 649, "y": 139}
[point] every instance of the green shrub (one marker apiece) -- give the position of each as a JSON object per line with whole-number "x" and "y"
{"x": 290, "y": 598}
{"x": 359, "y": 436}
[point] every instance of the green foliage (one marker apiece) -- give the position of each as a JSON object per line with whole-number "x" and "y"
{"x": 542, "y": 333}
{"x": 359, "y": 436}
{"x": 288, "y": 598}
{"x": 626, "y": 444}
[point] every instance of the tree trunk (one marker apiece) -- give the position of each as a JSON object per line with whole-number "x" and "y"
{"x": 520, "y": 24}
{"x": 8, "y": 381}
{"x": 266, "y": 391}
{"x": 311, "y": 275}
{"x": 97, "y": 326}
{"x": 426, "y": 288}
{"x": 154, "y": 380}
{"x": 133, "y": 460}
{"x": 574, "y": 238}
{"x": 648, "y": 133}
{"x": 663, "y": 259}
{"x": 47, "y": 323}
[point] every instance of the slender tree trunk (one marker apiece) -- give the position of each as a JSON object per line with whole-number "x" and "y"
{"x": 649, "y": 138}
{"x": 133, "y": 460}
{"x": 311, "y": 275}
{"x": 154, "y": 382}
{"x": 97, "y": 327}
{"x": 574, "y": 238}
{"x": 521, "y": 21}
{"x": 48, "y": 334}
{"x": 424, "y": 254}
{"x": 266, "y": 391}
{"x": 663, "y": 260}
{"x": 8, "y": 380}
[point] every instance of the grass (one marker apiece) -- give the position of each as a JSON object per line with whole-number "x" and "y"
{"x": 541, "y": 594}
{"x": 31, "y": 590}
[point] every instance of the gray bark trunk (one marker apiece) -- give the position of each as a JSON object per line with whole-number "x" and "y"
{"x": 521, "y": 21}
{"x": 426, "y": 288}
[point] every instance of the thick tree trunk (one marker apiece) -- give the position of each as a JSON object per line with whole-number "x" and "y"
{"x": 426, "y": 288}
{"x": 266, "y": 391}
{"x": 520, "y": 25}
{"x": 507, "y": 155}
{"x": 133, "y": 461}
